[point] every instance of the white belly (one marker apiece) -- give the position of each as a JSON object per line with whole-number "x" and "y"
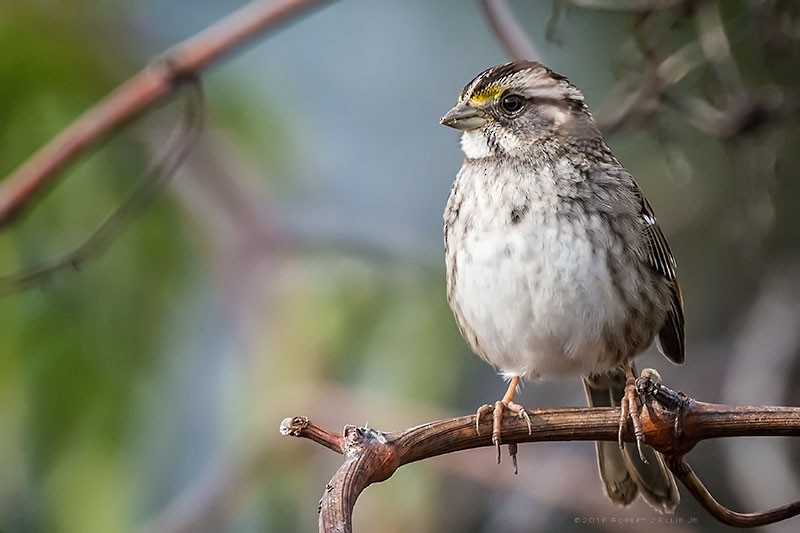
{"x": 535, "y": 296}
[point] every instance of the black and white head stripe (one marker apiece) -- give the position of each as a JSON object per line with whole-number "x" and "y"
{"x": 527, "y": 78}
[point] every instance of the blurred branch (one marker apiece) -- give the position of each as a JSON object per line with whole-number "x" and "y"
{"x": 771, "y": 320}
{"x": 177, "y": 148}
{"x": 625, "y": 5}
{"x": 673, "y": 425}
{"x": 716, "y": 47}
{"x": 654, "y": 85}
{"x": 162, "y": 77}
{"x": 508, "y": 30}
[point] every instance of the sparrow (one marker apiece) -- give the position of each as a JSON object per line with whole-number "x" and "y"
{"x": 556, "y": 265}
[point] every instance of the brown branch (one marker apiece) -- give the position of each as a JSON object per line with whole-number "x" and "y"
{"x": 140, "y": 93}
{"x": 300, "y": 426}
{"x": 690, "y": 480}
{"x": 508, "y": 31}
{"x": 673, "y": 425}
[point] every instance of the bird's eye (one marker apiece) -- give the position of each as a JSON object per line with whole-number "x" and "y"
{"x": 512, "y": 103}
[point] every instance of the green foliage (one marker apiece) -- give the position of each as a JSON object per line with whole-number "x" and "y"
{"x": 72, "y": 350}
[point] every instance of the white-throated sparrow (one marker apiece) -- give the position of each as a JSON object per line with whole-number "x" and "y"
{"x": 555, "y": 263}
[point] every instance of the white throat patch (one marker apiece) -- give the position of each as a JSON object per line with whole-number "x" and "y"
{"x": 474, "y": 145}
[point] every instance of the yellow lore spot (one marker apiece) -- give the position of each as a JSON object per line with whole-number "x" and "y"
{"x": 487, "y": 93}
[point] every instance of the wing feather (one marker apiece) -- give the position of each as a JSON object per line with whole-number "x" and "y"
{"x": 671, "y": 337}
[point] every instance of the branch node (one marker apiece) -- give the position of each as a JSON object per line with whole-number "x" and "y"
{"x": 663, "y": 402}
{"x": 168, "y": 67}
{"x": 293, "y": 425}
{"x": 301, "y": 426}
{"x": 363, "y": 440}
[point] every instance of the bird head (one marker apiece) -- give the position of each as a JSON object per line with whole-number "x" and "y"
{"x": 508, "y": 107}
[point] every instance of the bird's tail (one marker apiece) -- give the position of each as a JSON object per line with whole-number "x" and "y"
{"x": 623, "y": 473}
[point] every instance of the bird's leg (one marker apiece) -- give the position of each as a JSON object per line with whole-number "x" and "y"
{"x": 506, "y": 404}
{"x": 630, "y": 408}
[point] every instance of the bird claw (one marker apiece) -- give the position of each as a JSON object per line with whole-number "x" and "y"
{"x": 522, "y": 413}
{"x": 482, "y": 410}
{"x": 639, "y": 444}
{"x": 630, "y": 409}
{"x": 497, "y": 418}
{"x": 512, "y": 452}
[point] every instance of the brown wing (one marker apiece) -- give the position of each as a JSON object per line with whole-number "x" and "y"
{"x": 671, "y": 337}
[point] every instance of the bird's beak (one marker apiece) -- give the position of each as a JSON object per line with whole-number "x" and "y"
{"x": 463, "y": 117}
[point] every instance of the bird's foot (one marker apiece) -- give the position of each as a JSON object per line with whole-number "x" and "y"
{"x": 630, "y": 409}
{"x": 497, "y": 421}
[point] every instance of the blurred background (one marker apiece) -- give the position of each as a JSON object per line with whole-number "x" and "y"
{"x": 294, "y": 265}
